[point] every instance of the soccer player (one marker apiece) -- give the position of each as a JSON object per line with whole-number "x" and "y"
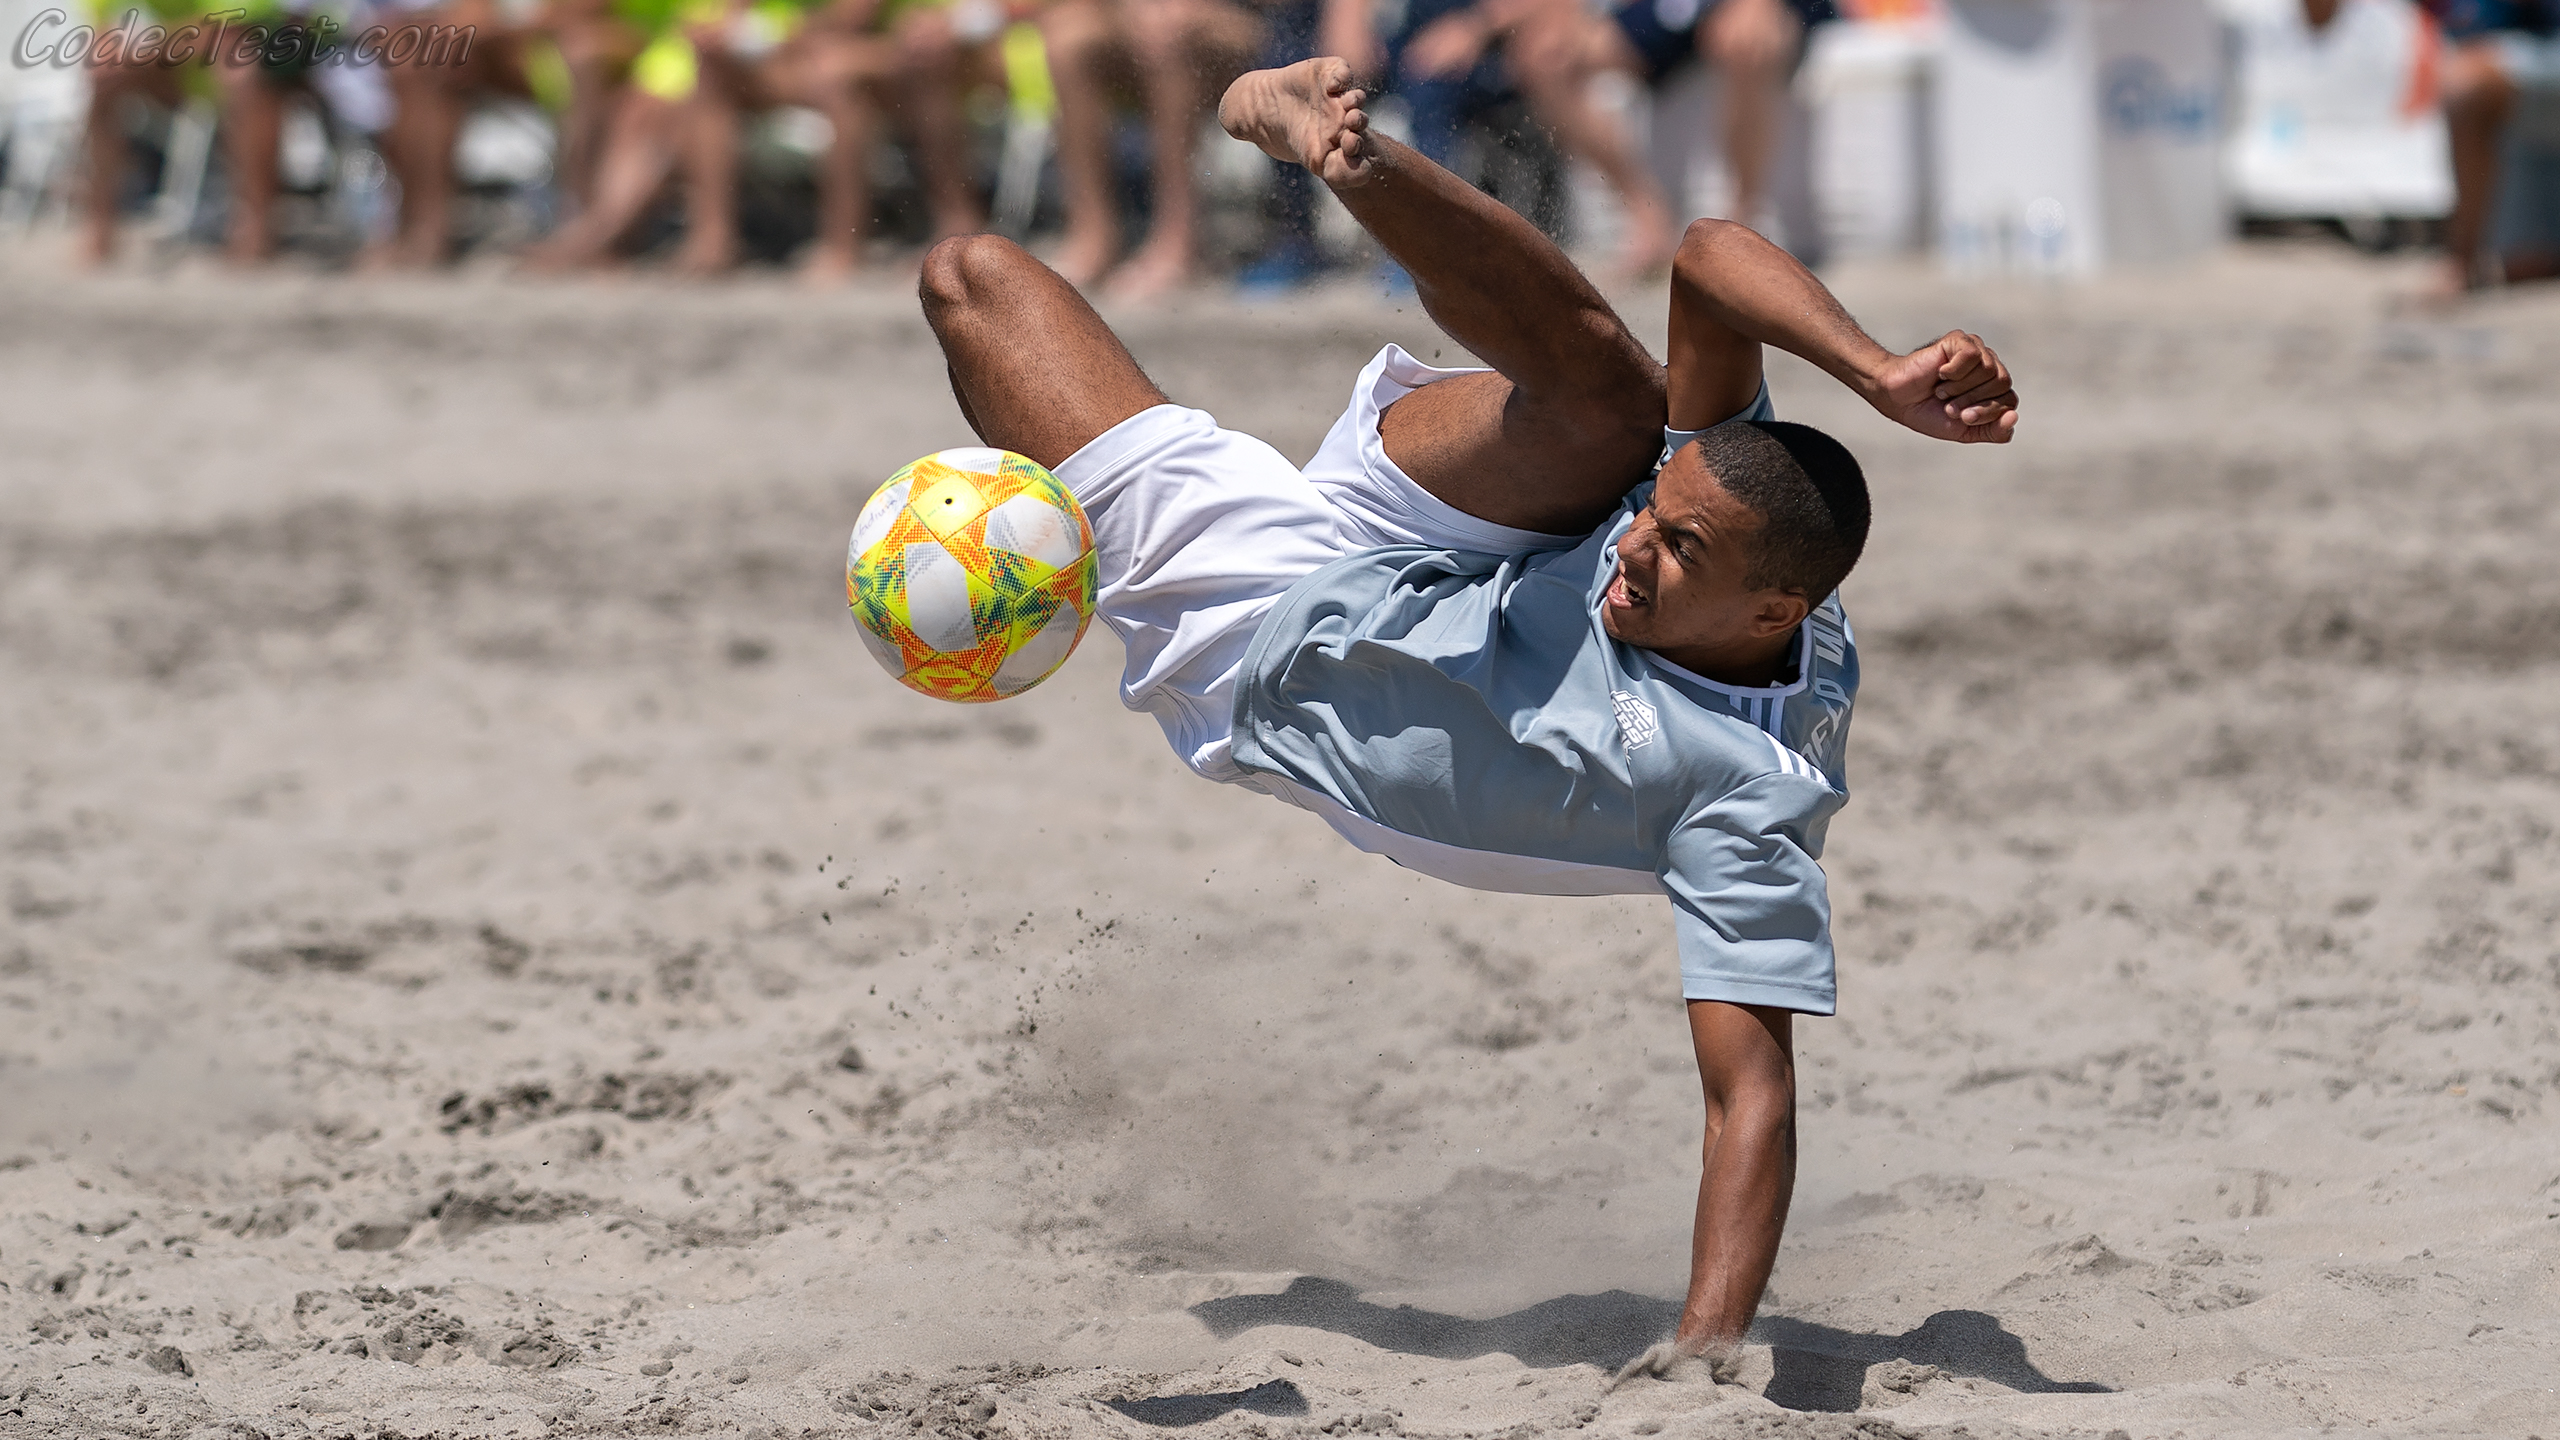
{"x": 1478, "y": 633}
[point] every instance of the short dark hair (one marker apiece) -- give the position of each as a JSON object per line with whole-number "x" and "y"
{"x": 1810, "y": 496}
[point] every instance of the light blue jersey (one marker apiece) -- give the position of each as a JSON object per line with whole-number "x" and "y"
{"x": 1467, "y": 716}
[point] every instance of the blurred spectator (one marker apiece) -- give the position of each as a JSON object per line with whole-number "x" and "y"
{"x": 690, "y": 90}
{"x": 2501, "y": 86}
{"x": 167, "y": 52}
{"x": 464, "y": 50}
{"x": 1291, "y": 31}
{"x": 772, "y": 54}
{"x": 947, "y": 48}
{"x": 1753, "y": 45}
{"x": 1181, "y": 53}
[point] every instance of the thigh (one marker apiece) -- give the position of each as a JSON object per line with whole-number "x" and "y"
{"x": 1482, "y": 446}
{"x": 1034, "y": 368}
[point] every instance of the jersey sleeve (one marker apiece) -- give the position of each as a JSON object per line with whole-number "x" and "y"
{"x": 1751, "y": 906}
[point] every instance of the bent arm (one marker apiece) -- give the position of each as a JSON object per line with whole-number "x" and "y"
{"x": 1746, "y": 1064}
{"x": 1733, "y": 292}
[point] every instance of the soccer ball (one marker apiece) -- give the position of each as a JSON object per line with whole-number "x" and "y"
{"x": 972, "y": 574}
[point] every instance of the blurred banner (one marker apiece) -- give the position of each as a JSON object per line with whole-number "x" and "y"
{"x": 2074, "y": 134}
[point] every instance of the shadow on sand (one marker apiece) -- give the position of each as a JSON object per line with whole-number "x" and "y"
{"x": 1817, "y": 1367}
{"x": 1271, "y": 1397}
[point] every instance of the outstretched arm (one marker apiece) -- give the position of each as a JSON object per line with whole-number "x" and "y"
{"x": 1746, "y": 1064}
{"x": 1733, "y": 292}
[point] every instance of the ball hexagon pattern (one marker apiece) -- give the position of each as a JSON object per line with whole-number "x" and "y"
{"x": 972, "y": 573}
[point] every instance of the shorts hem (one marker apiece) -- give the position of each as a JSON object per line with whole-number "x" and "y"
{"x": 1775, "y": 995}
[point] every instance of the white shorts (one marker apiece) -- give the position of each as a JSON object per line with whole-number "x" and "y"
{"x": 1199, "y": 530}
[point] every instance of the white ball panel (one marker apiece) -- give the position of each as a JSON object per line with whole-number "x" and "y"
{"x": 1040, "y": 654}
{"x": 882, "y": 651}
{"x": 873, "y": 525}
{"x": 975, "y": 459}
{"x": 938, "y": 599}
{"x": 1030, "y": 526}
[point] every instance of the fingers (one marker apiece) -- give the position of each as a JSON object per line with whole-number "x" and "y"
{"x": 1655, "y": 1362}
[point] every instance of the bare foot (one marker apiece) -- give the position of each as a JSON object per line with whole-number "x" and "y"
{"x": 1157, "y": 270}
{"x": 1651, "y": 244}
{"x": 830, "y": 265}
{"x": 701, "y": 260}
{"x": 97, "y": 249}
{"x": 1086, "y": 256}
{"x": 1307, "y": 114}
{"x": 2452, "y": 284}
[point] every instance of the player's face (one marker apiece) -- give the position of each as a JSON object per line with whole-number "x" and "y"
{"x": 1679, "y": 591}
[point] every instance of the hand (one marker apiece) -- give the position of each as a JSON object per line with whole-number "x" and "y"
{"x": 1954, "y": 388}
{"x": 1669, "y": 1358}
{"x": 1448, "y": 47}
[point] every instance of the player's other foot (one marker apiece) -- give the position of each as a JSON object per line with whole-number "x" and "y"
{"x": 1307, "y": 114}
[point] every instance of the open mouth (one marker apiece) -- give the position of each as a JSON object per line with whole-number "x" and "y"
{"x": 1623, "y": 591}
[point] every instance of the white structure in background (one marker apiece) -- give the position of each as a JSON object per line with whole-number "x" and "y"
{"x": 2340, "y": 123}
{"x": 1867, "y": 85}
{"x": 41, "y": 113}
{"x": 2074, "y": 134}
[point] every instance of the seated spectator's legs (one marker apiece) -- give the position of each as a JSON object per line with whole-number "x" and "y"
{"x": 253, "y": 104}
{"x": 638, "y": 154}
{"x": 1289, "y": 255}
{"x": 820, "y": 68}
{"x": 1082, "y": 46}
{"x": 1557, "y": 51}
{"x": 462, "y": 51}
{"x": 1440, "y": 95}
{"x": 1754, "y": 46}
{"x": 112, "y": 88}
{"x": 598, "y": 47}
{"x": 937, "y": 63}
{"x": 2477, "y": 100}
{"x": 1187, "y": 51}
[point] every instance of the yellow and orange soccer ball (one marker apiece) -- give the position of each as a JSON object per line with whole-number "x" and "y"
{"x": 972, "y": 573}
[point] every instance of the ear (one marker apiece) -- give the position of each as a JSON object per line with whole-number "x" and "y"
{"x": 1775, "y": 612}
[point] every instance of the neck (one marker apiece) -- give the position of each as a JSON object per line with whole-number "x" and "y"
{"x": 1746, "y": 664}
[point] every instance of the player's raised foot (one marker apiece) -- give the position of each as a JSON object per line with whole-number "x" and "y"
{"x": 1307, "y": 114}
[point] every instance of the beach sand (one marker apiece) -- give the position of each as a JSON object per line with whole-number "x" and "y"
{"x": 489, "y": 955}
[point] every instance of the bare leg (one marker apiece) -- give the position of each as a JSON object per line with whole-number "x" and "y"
{"x": 107, "y": 151}
{"x": 1080, "y": 43}
{"x": 2478, "y": 97}
{"x": 1753, "y": 45}
{"x": 253, "y": 125}
{"x": 934, "y": 64}
{"x": 712, "y": 126}
{"x": 1555, "y": 54}
{"x": 983, "y": 296}
{"x": 1182, "y": 46}
{"x": 430, "y": 121}
{"x": 638, "y": 154}
{"x": 1572, "y": 415}
{"x": 837, "y": 81}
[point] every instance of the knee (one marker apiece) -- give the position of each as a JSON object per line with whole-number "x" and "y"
{"x": 2475, "y": 83}
{"x": 965, "y": 270}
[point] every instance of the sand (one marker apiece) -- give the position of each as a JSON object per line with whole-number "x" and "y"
{"x": 488, "y": 955}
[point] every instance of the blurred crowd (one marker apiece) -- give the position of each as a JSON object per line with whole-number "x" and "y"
{"x": 921, "y": 118}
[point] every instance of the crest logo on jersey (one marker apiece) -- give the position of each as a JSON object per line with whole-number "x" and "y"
{"x": 1637, "y": 721}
